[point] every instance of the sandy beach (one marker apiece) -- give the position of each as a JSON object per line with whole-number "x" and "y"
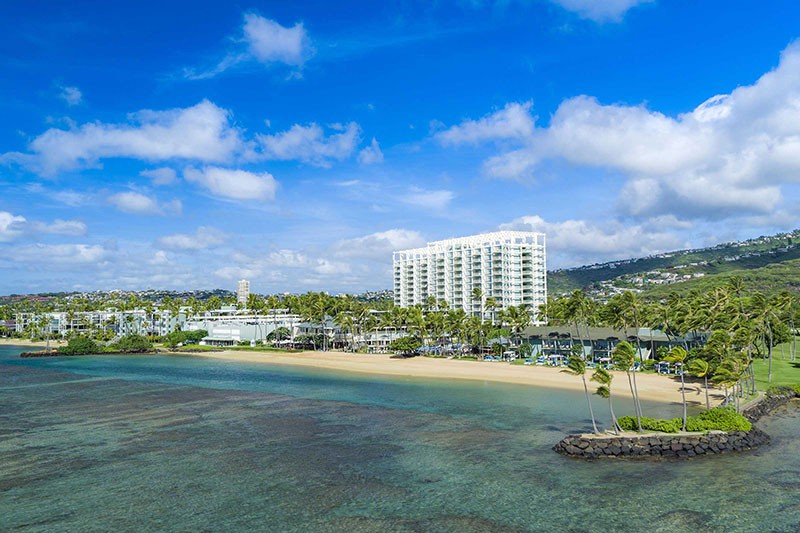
{"x": 651, "y": 386}
{"x": 28, "y": 342}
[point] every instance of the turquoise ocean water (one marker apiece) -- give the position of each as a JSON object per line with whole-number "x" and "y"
{"x": 192, "y": 444}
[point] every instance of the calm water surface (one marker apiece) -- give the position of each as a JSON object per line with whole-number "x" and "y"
{"x": 191, "y": 444}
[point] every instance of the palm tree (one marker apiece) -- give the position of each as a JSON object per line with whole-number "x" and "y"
{"x": 604, "y": 378}
{"x": 701, "y": 369}
{"x": 490, "y": 305}
{"x": 678, "y": 356}
{"x": 577, "y": 367}
{"x": 623, "y": 357}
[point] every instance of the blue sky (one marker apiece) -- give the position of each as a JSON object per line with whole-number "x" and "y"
{"x": 186, "y": 145}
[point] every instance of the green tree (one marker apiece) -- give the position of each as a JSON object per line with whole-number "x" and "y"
{"x": 623, "y": 358}
{"x": 604, "y": 378}
{"x": 678, "y": 356}
{"x": 576, "y": 366}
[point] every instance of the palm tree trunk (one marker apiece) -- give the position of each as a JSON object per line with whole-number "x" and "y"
{"x": 635, "y": 404}
{"x": 683, "y": 397}
{"x": 589, "y": 401}
{"x": 613, "y": 417}
{"x": 705, "y": 380}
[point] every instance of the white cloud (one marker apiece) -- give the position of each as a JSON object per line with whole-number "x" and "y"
{"x": 13, "y": 227}
{"x": 426, "y": 199}
{"x": 728, "y": 156}
{"x": 71, "y": 95}
{"x": 205, "y": 237}
{"x": 72, "y": 228}
{"x": 160, "y": 176}
{"x": 139, "y": 204}
{"x": 378, "y": 245}
{"x": 269, "y": 42}
{"x": 600, "y": 10}
{"x": 331, "y": 268}
{"x": 201, "y": 132}
{"x": 371, "y": 154}
{"x": 235, "y": 184}
{"x": 10, "y": 226}
{"x": 265, "y": 41}
{"x": 514, "y": 121}
{"x": 59, "y": 255}
{"x": 287, "y": 258}
{"x": 310, "y": 145}
{"x": 577, "y": 242}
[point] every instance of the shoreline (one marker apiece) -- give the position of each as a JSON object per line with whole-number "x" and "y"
{"x": 652, "y": 387}
{"x": 27, "y": 342}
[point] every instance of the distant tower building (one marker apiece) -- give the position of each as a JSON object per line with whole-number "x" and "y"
{"x": 243, "y": 292}
{"x": 508, "y": 266}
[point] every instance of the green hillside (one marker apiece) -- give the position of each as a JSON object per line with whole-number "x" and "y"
{"x": 720, "y": 259}
{"x": 769, "y": 279}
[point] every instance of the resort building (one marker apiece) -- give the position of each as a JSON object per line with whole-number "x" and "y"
{"x": 229, "y": 326}
{"x": 509, "y": 266}
{"x": 243, "y": 292}
{"x": 108, "y": 322}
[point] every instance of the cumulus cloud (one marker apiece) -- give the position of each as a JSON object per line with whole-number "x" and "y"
{"x": 264, "y": 41}
{"x": 10, "y": 226}
{"x": 600, "y": 10}
{"x": 72, "y": 228}
{"x": 269, "y": 42}
{"x": 310, "y": 144}
{"x": 13, "y": 227}
{"x": 205, "y": 237}
{"x": 160, "y": 176}
{"x": 577, "y": 242}
{"x": 728, "y": 156}
{"x": 59, "y": 255}
{"x": 372, "y": 154}
{"x": 514, "y": 121}
{"x": 140, "y": 204}
{"x": 201, "y": 132}
{"x": 71, "y": 95}
{"x": 436, "y": 200}
{"x": 235, "y": 184}
{"x": 378, "y": 245}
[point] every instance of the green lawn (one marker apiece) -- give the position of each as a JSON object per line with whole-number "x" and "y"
{"x": 784, "y": 371}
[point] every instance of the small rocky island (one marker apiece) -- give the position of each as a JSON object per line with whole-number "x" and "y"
{"x": 675, "y": 445}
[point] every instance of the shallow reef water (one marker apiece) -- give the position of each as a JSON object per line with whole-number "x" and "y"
{"x": 191, "y": 444}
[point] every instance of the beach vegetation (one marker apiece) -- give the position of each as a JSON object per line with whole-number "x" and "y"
{"x": 132, "y": 344}
{"x": 719, "y": 419}
{"x": 405, "y": 345}
{"x": 80, "y": 346}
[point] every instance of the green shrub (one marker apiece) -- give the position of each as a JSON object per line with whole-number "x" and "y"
{"x": 783, "y": 390}
{"x": 628, "y": 423}
{"x": 132, "y": 344}
{"x": 80, "y": 346}
{"x": 719, "y": 418}
{"x": 648, "y": 364}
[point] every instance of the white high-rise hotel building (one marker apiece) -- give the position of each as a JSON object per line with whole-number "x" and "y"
{"x": 509, "y": 266}
{"x": 243, "y": 292}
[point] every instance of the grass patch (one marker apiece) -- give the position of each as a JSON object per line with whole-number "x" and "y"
{"x": 784, "y": 371}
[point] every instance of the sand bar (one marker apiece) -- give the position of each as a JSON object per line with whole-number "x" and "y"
{"x": 651, "y": 386}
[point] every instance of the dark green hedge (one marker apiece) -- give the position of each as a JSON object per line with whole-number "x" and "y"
{"x": 719, "y": 418}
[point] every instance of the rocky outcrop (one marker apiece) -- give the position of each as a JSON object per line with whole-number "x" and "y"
{"x": 767, "y": 404}
{"x": 660, "y": 444}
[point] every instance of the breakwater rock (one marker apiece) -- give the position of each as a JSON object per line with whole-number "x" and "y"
{"x": 42, "y": 353}
{"x": 679, "y": 445}
{"x": 767, "y": 404}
